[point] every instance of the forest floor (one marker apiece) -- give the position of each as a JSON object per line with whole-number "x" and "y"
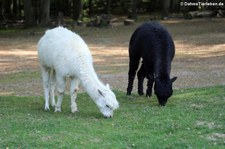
{"x": 199, "y": 59}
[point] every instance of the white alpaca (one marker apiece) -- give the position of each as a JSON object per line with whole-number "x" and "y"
{"x": 62, "y": 54}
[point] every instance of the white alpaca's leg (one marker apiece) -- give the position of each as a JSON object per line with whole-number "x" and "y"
{"x": 46, "y": 85}
{"x": 60, "y": 89}
{"x": 52, "y": 89}
{"x": 73, "y": 93}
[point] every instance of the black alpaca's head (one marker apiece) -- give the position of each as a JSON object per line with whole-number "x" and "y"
{"x": 163, "y": 89}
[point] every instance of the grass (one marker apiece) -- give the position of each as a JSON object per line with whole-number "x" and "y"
{"x": 193, "y": 118}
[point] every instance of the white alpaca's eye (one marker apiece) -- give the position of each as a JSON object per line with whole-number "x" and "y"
{"x": 107, "y": 106}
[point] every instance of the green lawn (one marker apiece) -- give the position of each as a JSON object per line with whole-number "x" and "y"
{"x": 192, "y": 118}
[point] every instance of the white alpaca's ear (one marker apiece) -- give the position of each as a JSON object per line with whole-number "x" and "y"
{"x": 101, "y": 93}
{"x": 107, "y": 85}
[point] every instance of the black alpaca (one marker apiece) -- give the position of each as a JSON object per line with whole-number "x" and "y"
{"x": 152, "y": 42}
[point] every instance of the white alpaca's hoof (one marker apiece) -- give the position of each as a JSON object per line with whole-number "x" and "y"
{"x": 57, "y": 109}
{"x": 47, "y": 108}
{"x": 74, "y": 109}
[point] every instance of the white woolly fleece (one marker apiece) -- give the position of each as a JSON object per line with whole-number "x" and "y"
{"x": 67, "y": 54}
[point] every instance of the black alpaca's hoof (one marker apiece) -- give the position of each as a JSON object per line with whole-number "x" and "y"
{"x": 148, "y": 95}
{"x": 162, "y": 105}
{"x": 140, "y": 93}
{"x": 128, "y": 93}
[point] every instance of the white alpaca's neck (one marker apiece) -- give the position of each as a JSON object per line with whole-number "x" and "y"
{"x": 90, "y": 82}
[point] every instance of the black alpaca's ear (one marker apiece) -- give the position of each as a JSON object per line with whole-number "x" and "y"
{"x": 173, "y": 79}
{"x": 101, "y": 93}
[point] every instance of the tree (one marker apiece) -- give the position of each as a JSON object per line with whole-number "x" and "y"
{"x": 45, "y": 12}
{"x": 90, "y": 7}
{"x": 29, "y": 13}
{"x": 77, "y": 9}
{"x": 7, "y": 10}
{"x": 134, "y": 9}
{"x": 108, "y": 11}
{"x": 36, "y": 11}
{"x": 15, "y": 10}
{"x": 131, "y": 6}
{"x": 2, "y": 18}
{"x": 165, "y": 8}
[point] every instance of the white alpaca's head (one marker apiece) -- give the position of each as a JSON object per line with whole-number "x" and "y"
{"x": 107, "y": 102}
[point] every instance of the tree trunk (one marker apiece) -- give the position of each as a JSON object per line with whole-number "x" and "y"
{"x": 67, "y": 8}
{"x": 15, "y": 10}
{"x": 37, "y": 11}
{"x": 90, "y": 7}
{"x": 45, "y": 12}
{"x": 108, "y": 11}
{"x": 200, "y": 14}
{"x": 134, "y": 9}
{"x": 175, "y": 6}
{"x": 165, "y": 8}
{"x": 29, "y": 13}
{"x": 8, "y": 11}
{"x": 20, "y": 9}
{"x": 132, "y": 13}
{"x": 77, "y": 9}
{"x": 2, "y": 11}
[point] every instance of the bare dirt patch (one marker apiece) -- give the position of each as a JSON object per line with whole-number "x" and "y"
{"x": 199, "y": 60}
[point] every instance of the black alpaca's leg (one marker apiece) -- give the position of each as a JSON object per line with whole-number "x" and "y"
{"x": 130, "y": 84}
{"x": 141, "y": 77}
{"x": 133, "y": 66}
{"x": 150, "y": 77}
{"x": 149, "y": 86}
